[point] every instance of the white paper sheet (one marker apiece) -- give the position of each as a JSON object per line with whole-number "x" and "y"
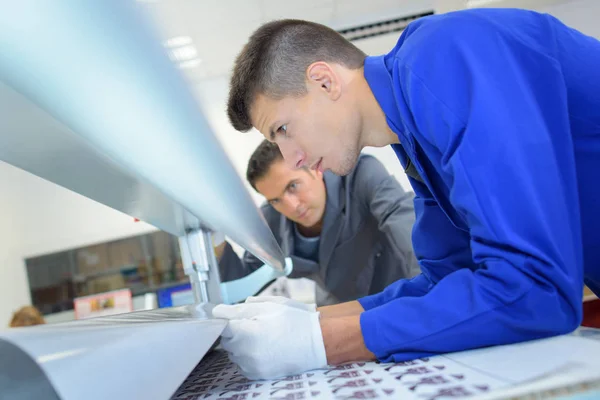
{"x": 217, "y": 379}
{"x": 131, "y": 356}
{"x": 523, "y": 362}
{"x": 150, "y": 355}
{"x": 487, "y": 374}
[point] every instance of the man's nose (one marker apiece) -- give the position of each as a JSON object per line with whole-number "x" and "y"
{"x": 291, "y": 202}
{"x": 294, "y": 157}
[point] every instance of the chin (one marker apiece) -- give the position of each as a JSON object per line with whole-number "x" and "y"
{"x": 341, "y": 171}
{"x": 345, "y": 167}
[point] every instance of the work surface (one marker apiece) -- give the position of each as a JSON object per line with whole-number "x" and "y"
{"x": 542, "y": 369}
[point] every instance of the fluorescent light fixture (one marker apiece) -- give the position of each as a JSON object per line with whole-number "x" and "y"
{"x": 182, "y": 51}
{"x": 190, "y": 63}
{"x": 478, "y": 3}
{"x": 178, "y": 41}
{"x": 378, "y": 28}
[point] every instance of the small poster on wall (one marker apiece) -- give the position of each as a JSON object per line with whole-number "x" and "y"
{"x": 102, "y": 304}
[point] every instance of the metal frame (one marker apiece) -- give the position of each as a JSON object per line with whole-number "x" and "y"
{"x": 106, "y": 125}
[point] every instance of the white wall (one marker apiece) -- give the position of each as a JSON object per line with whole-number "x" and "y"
{"x": 39, "y": 217}
{"x": 583, "y": 15}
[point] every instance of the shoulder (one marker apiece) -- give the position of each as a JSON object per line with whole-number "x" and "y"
{"x": 367, "y": 177}
{"x": 453, "y": 25}
{"x": 368, "y": 168}
{"x": 476, "y": 29}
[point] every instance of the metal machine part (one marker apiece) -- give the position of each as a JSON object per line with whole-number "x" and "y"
{"x": 200, "y": 266}
{"x": 239, "y": 289}
{"x": 124, "y": 128}
{"x": 90, "y": 101}
{"x": 23, "y": 379}
{"x": 145, "y": 354}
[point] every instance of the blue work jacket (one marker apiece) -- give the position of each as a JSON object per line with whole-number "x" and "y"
{"x": 498, "y": 117}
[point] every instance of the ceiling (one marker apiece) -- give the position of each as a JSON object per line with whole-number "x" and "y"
{"x": 213, "y": 32}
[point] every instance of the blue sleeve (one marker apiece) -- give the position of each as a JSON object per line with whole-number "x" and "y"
{"x": 490, "y": 113}
{"x": 450, "y": 252}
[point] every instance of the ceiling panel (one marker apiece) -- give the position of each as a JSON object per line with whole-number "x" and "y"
{"x": 219, "y": 28}
{"x": 275, "y": 9}
{"x": 178, "y": 15}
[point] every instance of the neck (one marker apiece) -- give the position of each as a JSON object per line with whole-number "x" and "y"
{"x": 375, "y": 130}
{"x": 310, "y": 231}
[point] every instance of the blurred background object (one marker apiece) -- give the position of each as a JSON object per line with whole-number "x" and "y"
{"x": 27, "y": 316}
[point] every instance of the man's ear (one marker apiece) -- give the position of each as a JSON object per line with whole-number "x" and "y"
{"x": 321, "y": 75}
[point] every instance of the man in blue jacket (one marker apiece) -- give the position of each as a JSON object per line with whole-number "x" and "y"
{"x": 495, "y": 115}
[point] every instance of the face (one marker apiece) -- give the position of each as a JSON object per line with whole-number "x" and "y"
{"x": 299, "y": 194}
{"x": 319, "y": 130}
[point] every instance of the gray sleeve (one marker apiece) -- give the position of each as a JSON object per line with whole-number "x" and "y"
{"x": 231, "y": 267}
{"x": 392, "y": 206}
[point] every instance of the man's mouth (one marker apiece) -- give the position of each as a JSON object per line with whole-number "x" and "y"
{"x": 318, "y": 166}
{"x": 302, "y": 214}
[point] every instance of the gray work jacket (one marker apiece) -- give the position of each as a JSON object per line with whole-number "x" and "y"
{"x": 365, "y": 243}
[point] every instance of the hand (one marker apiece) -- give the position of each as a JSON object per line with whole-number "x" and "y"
{"x": 341, "y": 310}
{"x": 283, "y": 301}
{"x": 201, "y": 311}
{"x": 270, "y": 340}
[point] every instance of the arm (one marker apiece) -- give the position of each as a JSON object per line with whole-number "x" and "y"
{"x": 451, "y": 252}
{"x": 341, "y": 310}
{"x": 392, "y": 208}
{"x": 343, "y": 340}
{"x": 231, "y": 267}
{"x": 439, "y": 246}
{"x": 497, "y": 134}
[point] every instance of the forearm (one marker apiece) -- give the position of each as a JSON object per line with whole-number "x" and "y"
{"x": 343, "y": 340}
{"x": 341, "y": 310}
{"x": 232, "y": 267}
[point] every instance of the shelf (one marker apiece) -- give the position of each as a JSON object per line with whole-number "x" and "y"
{"x": 154, "y": 288}
{"x": 82, "y": 277}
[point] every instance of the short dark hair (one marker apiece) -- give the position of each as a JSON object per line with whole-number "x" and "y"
{"x": 265, "y": 155}
{"x": 275, "y": 60}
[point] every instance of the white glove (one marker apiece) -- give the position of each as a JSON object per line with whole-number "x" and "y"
{"x": 201, "y": 311}
{"x": 283, "y": 301}
{"x": 270, "y": 340}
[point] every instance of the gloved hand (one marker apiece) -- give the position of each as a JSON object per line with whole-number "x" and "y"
{"x": 270, "y": 340}
{"x": 201, "y": 311}
{"x": 284, "y": 301}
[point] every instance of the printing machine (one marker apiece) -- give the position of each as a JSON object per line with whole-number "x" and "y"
{"x": 89, "y": 100}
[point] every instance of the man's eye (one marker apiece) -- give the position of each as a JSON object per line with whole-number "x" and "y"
{"x": 283, "y": 130}
{"x": 273, "y": 202}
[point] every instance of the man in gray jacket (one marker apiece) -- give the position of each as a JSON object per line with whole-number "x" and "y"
{"x": 350, "y": 234}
